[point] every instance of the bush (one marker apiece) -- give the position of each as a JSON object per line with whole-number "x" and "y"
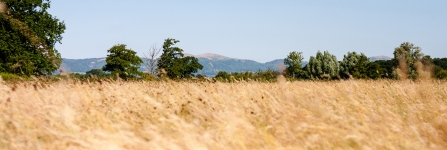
{"x": 441, "y": 74}
{"x": 10, "y": 77}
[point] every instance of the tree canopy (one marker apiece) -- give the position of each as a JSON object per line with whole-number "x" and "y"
{"x": 405, "y": 57}
{"x": 123, "y": 62}
{"x": 28, "y": 34}
{"x": 354, "y": 65}
{"x": 323, "y": 66}
{"x": 173, "y": 62}
{"x": 293, "y": 63}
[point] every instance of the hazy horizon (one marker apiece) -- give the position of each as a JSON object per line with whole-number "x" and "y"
{"x": 223, "y": 56}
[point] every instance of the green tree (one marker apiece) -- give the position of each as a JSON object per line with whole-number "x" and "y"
{"x": 123, "y": 62}
{"x": 293, "y": 62}
{"x": 323, "y": 66}
{"x": 441, "y": 74}
{"x": 222, "y": 76}
{"x": 355, "y": 65}
{"x": 387, "y": 68}
{"x": 441, "y": 62}
{"x": 374, "y": 71}
{"x": 440, "y": 68}
{"x": 28, "y": 34}
{"x": 173, "y": 62}
{"x": 405, "y": 57}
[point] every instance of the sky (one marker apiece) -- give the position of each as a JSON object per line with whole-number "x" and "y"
{"x": 258, "y": 30}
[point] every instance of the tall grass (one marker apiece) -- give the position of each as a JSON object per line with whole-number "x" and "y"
{"x": 353, "y": 114}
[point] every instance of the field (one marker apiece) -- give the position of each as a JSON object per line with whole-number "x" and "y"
{"x": 351, "y": 114}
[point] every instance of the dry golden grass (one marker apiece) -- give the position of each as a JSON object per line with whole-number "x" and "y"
{"x": 351, "y": 114}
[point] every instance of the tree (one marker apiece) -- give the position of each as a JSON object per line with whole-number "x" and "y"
{"x": 441, "y": 74}
{"x": 355, "y": 65}
{"x": 440, "y": 68}
{"x": 323, "y": 66}
{"x": 405, "y": 57}
{"x": 387, "y": 68}
{"x": 374, "y": 71}
{"x": 173, "y": 62}
{"x": 123, "y": 62}
{"x": 222, "y": 76}
{"x": 151, "y": 59}
{"x": 293, "y": 62}
{"x": 28, "y": 34}
{"x": 441, "y": 62}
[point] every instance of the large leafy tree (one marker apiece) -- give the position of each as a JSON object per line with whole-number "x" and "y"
{"x": 173, "y": 62}
{"x": 323, "y": 66}
{"x": 28, "y": 34}
{"x": 123, "y": 62}
{"x": 405, "y": 57}
{"x": 374, "y": 71}
{"x": 355, "y": 65}
{"x": 293, "y": 62}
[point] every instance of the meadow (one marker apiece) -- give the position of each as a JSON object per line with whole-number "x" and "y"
{"x": 347, "y": 114}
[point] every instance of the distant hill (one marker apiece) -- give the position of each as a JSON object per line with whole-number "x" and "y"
{"x": 374, "y": 58}
{"x": 210, "y": 56}
{"x": 212, "y": 64}
{"x": 82, "y": 65}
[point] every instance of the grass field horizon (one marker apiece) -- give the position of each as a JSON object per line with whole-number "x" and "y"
{"x": 345, "y": 114}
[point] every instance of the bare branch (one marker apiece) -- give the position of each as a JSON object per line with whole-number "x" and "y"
{"x": 151, "y": 59}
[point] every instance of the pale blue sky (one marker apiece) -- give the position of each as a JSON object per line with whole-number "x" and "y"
{"x": 259, "y": 30}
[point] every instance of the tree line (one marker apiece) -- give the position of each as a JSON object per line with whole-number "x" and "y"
{"x": 408, "y": 63}
{"x": 28, "y": 34}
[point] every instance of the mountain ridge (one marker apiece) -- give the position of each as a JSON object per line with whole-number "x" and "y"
{"x": 212, "y": 64}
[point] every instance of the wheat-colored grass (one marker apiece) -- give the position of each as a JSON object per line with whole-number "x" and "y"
{"x": 3, "y": 7}
{"x": 351, "y": 114}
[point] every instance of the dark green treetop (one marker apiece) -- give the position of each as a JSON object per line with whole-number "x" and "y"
{"x": 123, "y": 62}
{"x": 173, "y": 62}
{"x": 28, "y": 34}
{"x": 355, "y": 65}
{"x": 293, "y": 62}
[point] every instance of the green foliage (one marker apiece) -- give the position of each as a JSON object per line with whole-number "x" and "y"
{"x": 442, "y": 74}
{"x": 222, "y": 76}
{"x": 173, "y": 62}
{"x": 355, "y": 65}
{"x": 293, "y": 62}
{"x": 441, "y": 62}
{"x": 323, "y": 66}
{"x": 374, "y": 71}
{"x": 123, "y": 62}
{"x": 97, "y": 73}
{"x": 267, "y": 75}
{"x": 28, "y": 34}
{"x": 264, "y": 76}
{"x": 387, "y": 68}
{"x": 439, "y": 71}
{"x": 405, "y": 56}
{"x": 10, "y": 77}
{"x": 148, "y": 77}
